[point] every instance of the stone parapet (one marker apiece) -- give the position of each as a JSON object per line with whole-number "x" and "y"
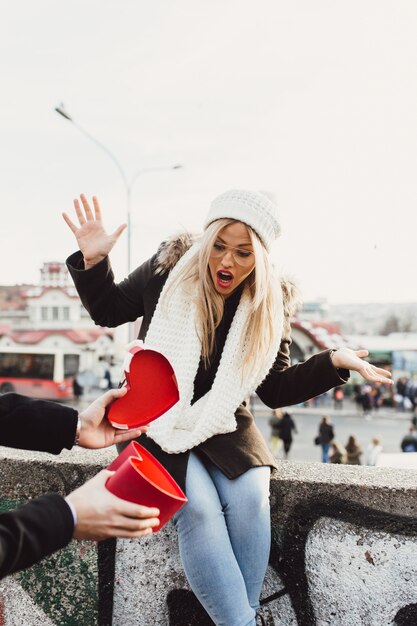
{"x": 344, "y": 552}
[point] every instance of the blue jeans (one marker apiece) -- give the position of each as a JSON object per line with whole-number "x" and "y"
{"x": 224, "y": 540}
{"x": 325, "y": 447}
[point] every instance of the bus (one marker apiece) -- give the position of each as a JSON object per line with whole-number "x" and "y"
{"x": 46, "y": 373}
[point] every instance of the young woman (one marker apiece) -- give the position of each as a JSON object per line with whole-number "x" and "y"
{"x": 337, "y": 453}
{"x": 353, "y": 451}
{"x": 216, "y": 309}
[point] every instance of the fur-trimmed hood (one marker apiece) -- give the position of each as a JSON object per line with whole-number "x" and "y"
{"x": 171, "y": 250}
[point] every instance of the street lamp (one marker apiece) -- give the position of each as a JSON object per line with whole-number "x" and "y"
{"x": 128, "y": 184}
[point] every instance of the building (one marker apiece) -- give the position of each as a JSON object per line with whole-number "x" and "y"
{"x": 397, "y": 351}
{"x": 51, "y": 315}
{"x": 311, "y": 336}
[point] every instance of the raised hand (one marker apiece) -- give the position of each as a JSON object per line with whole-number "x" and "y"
{"x": 93, "y": 240}
{"x": 353, "y": 360}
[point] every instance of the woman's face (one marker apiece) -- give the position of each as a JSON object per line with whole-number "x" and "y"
{"x": 232, "y": 258}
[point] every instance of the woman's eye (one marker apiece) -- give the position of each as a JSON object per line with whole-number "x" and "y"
{"x": 218, "y": 246}
{"x": 244, "y": 254}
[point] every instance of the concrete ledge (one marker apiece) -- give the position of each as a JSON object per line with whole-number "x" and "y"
{"x": 71, "y": 587}
{"x": 344, "y": 552}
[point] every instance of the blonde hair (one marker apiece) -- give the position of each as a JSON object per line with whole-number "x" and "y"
{"x": 262, "y": 285}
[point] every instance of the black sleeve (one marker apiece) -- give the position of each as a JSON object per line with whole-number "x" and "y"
{"x": 298, "y": 383}
{"x": 108, "y": 303}
{"x": 34, "y": 531}
{"x": 31, "y": 424}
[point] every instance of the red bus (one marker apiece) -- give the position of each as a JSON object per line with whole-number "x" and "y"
{"x": 46, "y": 373}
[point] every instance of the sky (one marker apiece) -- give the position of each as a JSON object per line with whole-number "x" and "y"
{"x": 315, "y": 102}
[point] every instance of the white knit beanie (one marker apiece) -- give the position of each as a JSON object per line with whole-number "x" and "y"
{"x": 254, "y": 208}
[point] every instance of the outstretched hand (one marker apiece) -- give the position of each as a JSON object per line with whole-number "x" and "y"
{"x": 93, "y": 240}
{"x": 96, "y": 431}
{"x": 353, "y": 360}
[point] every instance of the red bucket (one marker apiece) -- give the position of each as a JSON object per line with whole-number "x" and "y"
{"x": 140, "y": 478}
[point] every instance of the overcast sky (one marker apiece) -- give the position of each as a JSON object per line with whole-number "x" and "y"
{"x": 315, "y": 101}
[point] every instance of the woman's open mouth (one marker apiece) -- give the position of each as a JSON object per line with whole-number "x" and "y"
{"x": 224, "y": 278}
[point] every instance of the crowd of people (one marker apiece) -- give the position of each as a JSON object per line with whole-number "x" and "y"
{"x": 282, "y": 427}
{"x": 406, "y": 393}
{"x": 351, "y": 453}
{"x": 369, "y": 397}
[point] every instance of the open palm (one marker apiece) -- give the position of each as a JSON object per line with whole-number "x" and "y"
{"x": 92, "y": 238}
{"x": 354, "y": 360}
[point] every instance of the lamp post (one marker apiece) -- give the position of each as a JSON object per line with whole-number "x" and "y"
{"x": 128, "y": 184}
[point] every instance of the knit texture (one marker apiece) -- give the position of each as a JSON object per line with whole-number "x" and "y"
{"x": 173, "y": 333}
{"x": 251, "y": 207}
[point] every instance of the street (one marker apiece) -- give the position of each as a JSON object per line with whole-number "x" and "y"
{"x": 388, "y": 424}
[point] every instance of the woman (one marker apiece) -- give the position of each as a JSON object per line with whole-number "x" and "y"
{"x": 275, "y": 437}
{"x": 373, "y": 451}
{"x": 217, "y": 311}
{"x": 325, "y": 437}
{"x": 337, "y": 453}
{"x": 287, "y": 426}
{"x": 353, "y": 451}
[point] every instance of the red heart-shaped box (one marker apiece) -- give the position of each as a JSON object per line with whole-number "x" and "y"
{"x": 152, "y": 389}
{"x": 140, "y": 478}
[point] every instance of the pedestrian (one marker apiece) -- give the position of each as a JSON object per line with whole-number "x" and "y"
{"x": 376, "y": 395}
{"x": 275, "y": 441}
{"x": 214, "y": 306}
{"x": 48, "y": 523}
{"x": 357, "y": 395}
{"x": 337, "y": 453}
{"x": 353, "y": 451}
{"x": 373, "y": 451}
{"x": 77, "y": 389}
{"x": 105, "y": 381}
{"x": 366, "y": 401}
{"x": 401, "y": 392}
{"x": 287, "y": 427}
{"x": 338, "y": 396}
{"x": 409, "y": 441}
{"x": 325, "y": 437}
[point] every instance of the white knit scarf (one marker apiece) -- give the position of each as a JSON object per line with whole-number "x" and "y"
{"x": 172, "y": 332}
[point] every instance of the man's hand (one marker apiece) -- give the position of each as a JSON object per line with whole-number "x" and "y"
{"x": 101, "y": 515}
{"x": 96, "y": 431}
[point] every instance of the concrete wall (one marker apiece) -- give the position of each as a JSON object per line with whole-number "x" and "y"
{"x": 344, "y": 552}
{"x": 74, "y": 586}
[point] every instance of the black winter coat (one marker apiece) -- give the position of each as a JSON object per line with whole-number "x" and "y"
{"x": 44, "y": 524}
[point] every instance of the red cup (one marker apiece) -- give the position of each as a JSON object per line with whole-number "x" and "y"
{"x": 140, "y": 478}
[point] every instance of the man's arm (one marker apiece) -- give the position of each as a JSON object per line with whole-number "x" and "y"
{"x": 46, "y": 426}
{"x": 36, "y": 424}
{"x": 46, "y": 524}
{"x": 34, "y": 531}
